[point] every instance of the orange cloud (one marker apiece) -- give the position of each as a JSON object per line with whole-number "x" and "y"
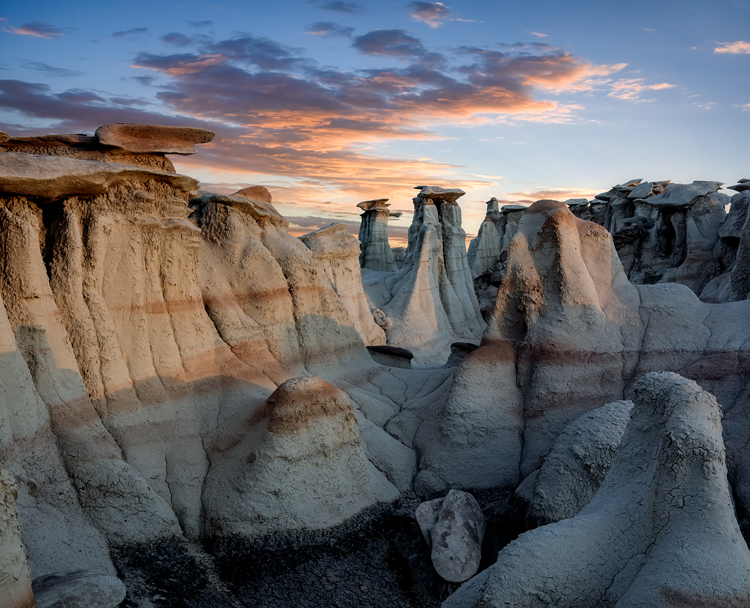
{"x": 39, "y": 30}
{"x": 734, "y": 48}
{"x": 631, "y": 88}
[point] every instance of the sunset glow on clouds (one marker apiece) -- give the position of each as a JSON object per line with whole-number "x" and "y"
{"x": 330, "y": 102}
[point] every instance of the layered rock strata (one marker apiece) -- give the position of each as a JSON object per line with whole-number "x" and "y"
{"x": 310, "y": 470}
{"x": 375, "y": 250}
{"x": 337, "y": 252}
{"x": 431, "y": 300}
{"x": 660, "y": 530}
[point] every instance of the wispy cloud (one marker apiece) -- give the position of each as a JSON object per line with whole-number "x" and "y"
{"x": 37, "y": 29}
{"x": 51, "y": 70}
{"x": 734, "y": 48}
{"x": 538, "y": 34}
{"x": 339, "y": 6}
{"x": 200, "y": 24}
{"x": 328, "y": 29}
{"x": 136, "y": 31}
{"x": 631, "y": 89}
{"x": 177, "y": 39}
{"x": 431, "y": 13}
{"x": 280, "y": 115}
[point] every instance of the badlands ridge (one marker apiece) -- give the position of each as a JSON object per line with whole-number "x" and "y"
{"x": 199, "y": 409}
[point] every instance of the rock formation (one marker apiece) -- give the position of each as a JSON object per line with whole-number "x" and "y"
{"x": 310, "y": 470}
{"x": 375, "y": 250}
{"x": 660, "y": 531}
{"x": 337, "y": 252}
{"x": 15, "y": 584}
{"x": 580, "y": 458}
{"x": 78, "y": 589}
{"x": 431, "y": 300}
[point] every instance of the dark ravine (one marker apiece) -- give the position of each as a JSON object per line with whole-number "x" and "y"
{"x": 376, "y": 559}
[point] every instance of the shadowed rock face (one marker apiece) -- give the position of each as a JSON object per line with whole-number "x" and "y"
{"x": 660, "y": 528}
{"x": 15, "y": 584}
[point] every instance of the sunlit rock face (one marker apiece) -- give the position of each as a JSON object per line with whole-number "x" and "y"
{"x": 145, "y": 324}
{"x": 338, "y": 253}
{"x": 375, "y": 250}
{"x": 431, "y": 300}
{"x": 660, "y": 530}
{"x": 310, "y": 471}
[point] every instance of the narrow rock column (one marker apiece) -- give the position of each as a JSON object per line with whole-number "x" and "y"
{"x": 485, "y": 249}
{"x": 373, "y": 236}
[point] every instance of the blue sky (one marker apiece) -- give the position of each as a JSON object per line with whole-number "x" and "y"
{"x": 330, "y": 102}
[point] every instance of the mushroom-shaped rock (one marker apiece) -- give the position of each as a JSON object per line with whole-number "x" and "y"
{"x": 55, "y": 177}
{"x": 575, "y": 468}
{"x": 154, "y": 139}
{"x": 661, "y": 530}
{"x": 740, "y": 187}
{"x": 15, "y": 583}
{"x": 453, "y": 527}
{"x": 375, "y": 250}
{"x": 444, "y": 195}
{"x": 310, "y": 471}
{"x": 78, "y": 589}
{"x": 680, "y": 196}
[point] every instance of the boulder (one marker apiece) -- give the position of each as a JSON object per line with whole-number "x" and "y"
{"x": 255, "y": 193}
{"x": 153, "y": 139}
{"x": 78, "y": 589}
{"x": 453, "y": 527}
{"x": 660, "y": 530}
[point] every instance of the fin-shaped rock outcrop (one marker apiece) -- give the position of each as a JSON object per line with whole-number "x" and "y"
{"x": 574, "y": 469}
{"x": 660, "y": 530}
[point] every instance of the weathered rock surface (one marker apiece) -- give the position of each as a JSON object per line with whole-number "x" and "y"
{"x": 310, "y": 470}
{"x": 375, "y": 250}
{"x": 453, "y": 527}
{"x": 52, "y": 177}
{"x": 78, "y": 589}
{"x": 580, "y": 458}
{"x": 431, "y": 300}
{"x": 15, "y": 584}
{"x": 337, "y": 251}
{"x": 660, "y": 531}
{"x": 155, "y": 139}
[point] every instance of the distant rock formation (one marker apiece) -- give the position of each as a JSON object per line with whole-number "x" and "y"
{"x": 373, "y": 236}
{"x": 660, "y": 531}
{"x": 431, "y": 300}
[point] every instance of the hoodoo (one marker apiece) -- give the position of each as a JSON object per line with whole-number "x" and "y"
{"x": 215, "y": 412}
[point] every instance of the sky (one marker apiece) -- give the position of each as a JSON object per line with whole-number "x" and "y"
{"x": 331, "y": 102}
